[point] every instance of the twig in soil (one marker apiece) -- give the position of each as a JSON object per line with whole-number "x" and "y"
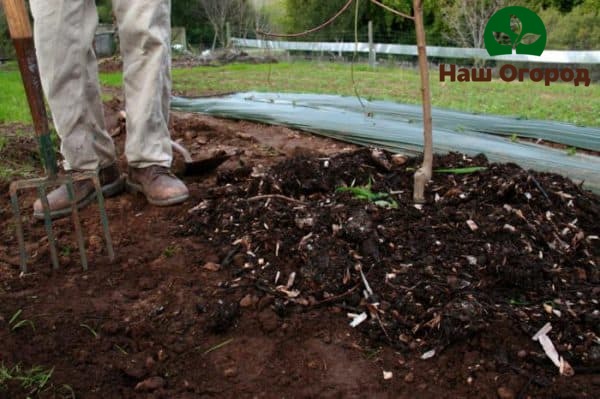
{"x": 276, "y": 196}
{"x": 539, "y": 186}
{"x": 304, "y": 240}
{"x": 337, "y": 297}
{"x": 120, "y": 349}
{"x": 219, "y": 346}
{"x": 365, "y": 282}
{"x": 374, "y": 312}
{"x": 90, "y": 329}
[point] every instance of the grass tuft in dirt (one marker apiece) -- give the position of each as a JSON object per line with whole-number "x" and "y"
{"x": 32, "y": 380}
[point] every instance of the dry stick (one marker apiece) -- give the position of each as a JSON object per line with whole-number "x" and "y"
{"x": 382, "y": 326}
{"x": 218, "y": 346}
{"x": 307, "y": 32}
{"x": 354, "y": 56}
{"x": 336, "y": 297}
{"x": 424, "y": 173}
{"x": 277, "y": 196}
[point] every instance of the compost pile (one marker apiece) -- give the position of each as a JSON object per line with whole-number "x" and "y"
{"x": 500, "y": 243}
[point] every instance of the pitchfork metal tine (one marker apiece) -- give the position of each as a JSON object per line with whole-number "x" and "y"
{"x": 103, "y": 218}
{"x": 77, "y": 223}
{"x": 14, "y": 200}
{"x": 48, "y": 225}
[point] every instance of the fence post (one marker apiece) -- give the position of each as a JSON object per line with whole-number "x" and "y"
{"x": 227, "y": 35}
{"x": 372, "y": 54}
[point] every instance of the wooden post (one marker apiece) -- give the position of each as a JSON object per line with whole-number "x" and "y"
{"x": 227, "y": 34}
{"x": 372, "y": 54}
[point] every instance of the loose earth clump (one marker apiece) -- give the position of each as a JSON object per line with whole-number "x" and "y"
{"x": 246, "y": 290}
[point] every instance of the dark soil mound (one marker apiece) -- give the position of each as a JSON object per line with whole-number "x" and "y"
{"x": 498, "y": 244}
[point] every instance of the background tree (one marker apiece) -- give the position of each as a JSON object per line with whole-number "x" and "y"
{"x": 189, "y": 14}
{"x": 270, "y": 15}
{"x": 6, "y": 48}
{"x": 577, "y": 30}
{"x": 217, "y": 12}
{"x": 388, "y": 27}
{"x": 465, "y": 20}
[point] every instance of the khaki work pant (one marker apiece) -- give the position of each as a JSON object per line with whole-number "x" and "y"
{"x": 64, "y": 33}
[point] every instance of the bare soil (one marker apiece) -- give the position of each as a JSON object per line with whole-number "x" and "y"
{"x": 245, "y": 290}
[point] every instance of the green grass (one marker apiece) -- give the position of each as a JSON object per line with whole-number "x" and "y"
{"x": 33, "y": 380}
{"x": 15, "y": 323}
{"x": 559, "y": 101}
{"x": 13, "y": 104}
{"x": 111, "y": 79}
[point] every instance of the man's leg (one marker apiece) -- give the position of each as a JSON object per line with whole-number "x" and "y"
{"x": 64, "y": 32}
{"x": 145, "y": 39}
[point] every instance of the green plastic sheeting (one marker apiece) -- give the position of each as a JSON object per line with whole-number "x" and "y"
{"x": 398, "y": 128}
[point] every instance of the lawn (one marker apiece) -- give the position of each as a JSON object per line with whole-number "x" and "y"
{"x": 13, "y": 104}
{"x": 559, "y": 101}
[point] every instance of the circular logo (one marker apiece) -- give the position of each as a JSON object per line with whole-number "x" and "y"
{"x": 515, "y": 28}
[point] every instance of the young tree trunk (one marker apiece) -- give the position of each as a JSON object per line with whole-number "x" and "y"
{"x": 424, "y": 173}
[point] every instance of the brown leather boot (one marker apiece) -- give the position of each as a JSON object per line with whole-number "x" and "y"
{"x": 110, "y": 179}
{"x": 158, "y": 184}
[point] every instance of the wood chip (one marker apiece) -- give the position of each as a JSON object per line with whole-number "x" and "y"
{"x": 357, "y": 319}
{"x": 472, "y": 225}
{"x": 542, "y": 337}
{"x": 291, "y": 280}
{"x": 428, "y": 355}
{"x": 399, "y": 159}
{"x": 289, "y": 293}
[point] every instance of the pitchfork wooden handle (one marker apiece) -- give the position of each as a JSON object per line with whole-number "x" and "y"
{"x": 17, "y": 18}
{"x": 21, "y": 33}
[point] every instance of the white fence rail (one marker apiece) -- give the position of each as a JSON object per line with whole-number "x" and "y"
{"x": 549, "y": 56}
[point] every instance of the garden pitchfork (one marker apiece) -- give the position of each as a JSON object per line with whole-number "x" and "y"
{"x": 21, "y": 33}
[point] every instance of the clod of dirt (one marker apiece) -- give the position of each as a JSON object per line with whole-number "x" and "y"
{"x": 211, "y": 267}
{"x": 110, "y": 328}
{"x": 506, "y": 393}
{"x": 248, "y": 301}
{"x": 150, "y": 384}
{"x": 150, "y": 363}
{"x": 230, "y": 372}
{"x": 147, "y": 283}
{"x": 268, "y": 320}
{"x": 223, "y": 317}
{"x": 135, "y": 369}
